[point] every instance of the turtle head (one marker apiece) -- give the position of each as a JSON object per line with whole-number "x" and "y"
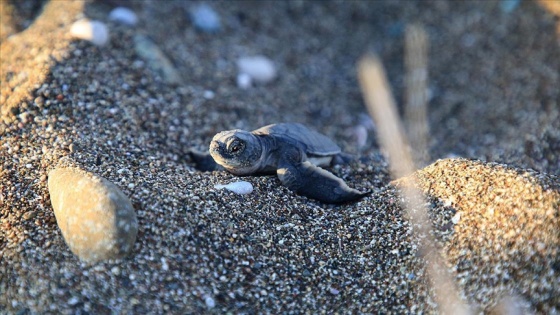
{"x": 238, "y": 151}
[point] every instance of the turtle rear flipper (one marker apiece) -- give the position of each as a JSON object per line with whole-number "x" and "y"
{"x": 314, "y": 182}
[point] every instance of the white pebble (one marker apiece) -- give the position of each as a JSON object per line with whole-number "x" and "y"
{"x": 240, "y": 188}
{"x": 334, "y": 291}
{"x": 259, "y": 68}
{"x": 366, "y": 121}
{"x": 93, "y": 31}
{"x": 210, "y": 303}
{"x": 73, "y": 301}
{"x": 208, "y": 94}
{"x": 124, "y": 16}
{"x": 244, "y": 81}
{"x": 205, "y": 19}
{"x": 164, "y": 264}
{"x": 360, "y": 135}
{"x": 456, "y": 218}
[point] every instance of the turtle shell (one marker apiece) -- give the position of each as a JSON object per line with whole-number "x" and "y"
{"x": 315, "y": 143}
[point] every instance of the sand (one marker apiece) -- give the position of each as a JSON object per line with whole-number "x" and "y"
{"x": 494, "y": 98}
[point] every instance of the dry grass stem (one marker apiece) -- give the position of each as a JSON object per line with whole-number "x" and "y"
{"x": 381, "y": 106}
{"x": 416, "y": 107}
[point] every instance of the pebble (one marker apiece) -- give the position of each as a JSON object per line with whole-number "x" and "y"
{"x": 334, "y": 291}
{"x": 359, "y": 132}
{"x": 204, "y": 18}
{"x": 94, "y": 31}
{"x": 508, "y": 6}
{"x": 259, "y": 68}
{"x": 244, "y": 81}
{"x": 208, "y": 94}
{"x": 29, "y": 215}
{"x": 156, "y": 59}
{"x": 240, "y": 188}
{"x": 73, "y": 301}
{"x": 124, "y": 16}
{"x": 209, "y": 301}
{"x": 96, "y": 219}
{"x": 456, "y": 218}
{"x": 360, "y": 135}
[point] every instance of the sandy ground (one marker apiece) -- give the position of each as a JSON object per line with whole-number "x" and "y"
{"x": 494, "y": 78}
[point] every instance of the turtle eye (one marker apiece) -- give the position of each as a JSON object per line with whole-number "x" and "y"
{"x": 236, "y": 146}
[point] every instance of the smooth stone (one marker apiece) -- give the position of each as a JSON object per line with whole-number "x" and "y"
{"x": 244, "y": 81}
{"x": 95, "y": 217}
{"x": 259, "y": 68}
{"x": 124, "y": 16}
{"x": 205, "y": 19}
{"x": 29, "y": 215}
{"x": 156, "y": 59}
{"x": 94, "y": 31}
{"x": 209, "y": 301}
{"x": 508, "y": 6}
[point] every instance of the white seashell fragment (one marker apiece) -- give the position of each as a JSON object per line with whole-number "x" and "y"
{"x": 124, "y": 16}
{"x": 93, "y": 31}
{"x": 259, "y": 68}
{"x": 240, "y": 188}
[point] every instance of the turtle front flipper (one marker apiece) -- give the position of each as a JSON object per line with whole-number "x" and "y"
{"x": 203, "y": 161}
{"x": 314, "y": 182}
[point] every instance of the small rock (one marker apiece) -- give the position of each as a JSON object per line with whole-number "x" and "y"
{"x": 366, "y": 121}
{"x": 96, "y": 219}
{"x": 456, "y": 218}
{"x": 116, "y": 270}
{"x": 156, "y": 59}
{"x": 334, "y": 291}
{"x": 93, "y": 31}
{"x": 164, "y": 264}
{"x": 244, "y": 81}
{"x": 39, "y": 101}
{"x": 29, "y": 215}
{"x": 508, "y": 6}
{"x": 208, "y": 94}
{"x": 360, "y": 135}
{"x": 259, "y": 68}
{"x": 205, "y": 19}
{"x": 240, "y": 188}
{"x": 210, "y": 303}
{"x": 73, "y": 301}
{"x": 124, "y": 16}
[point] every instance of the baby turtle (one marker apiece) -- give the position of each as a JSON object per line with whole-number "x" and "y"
{"x": 290, "y": 150}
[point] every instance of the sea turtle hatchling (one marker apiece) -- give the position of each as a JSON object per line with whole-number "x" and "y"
{"x": 290, "y": 150}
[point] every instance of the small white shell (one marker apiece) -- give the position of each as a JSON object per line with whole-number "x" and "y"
{"x": 259, "y": 68}
{"x": 93, "y": 31}
{"x": 124, "y": 16}
{"x": 240, "y": 188}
